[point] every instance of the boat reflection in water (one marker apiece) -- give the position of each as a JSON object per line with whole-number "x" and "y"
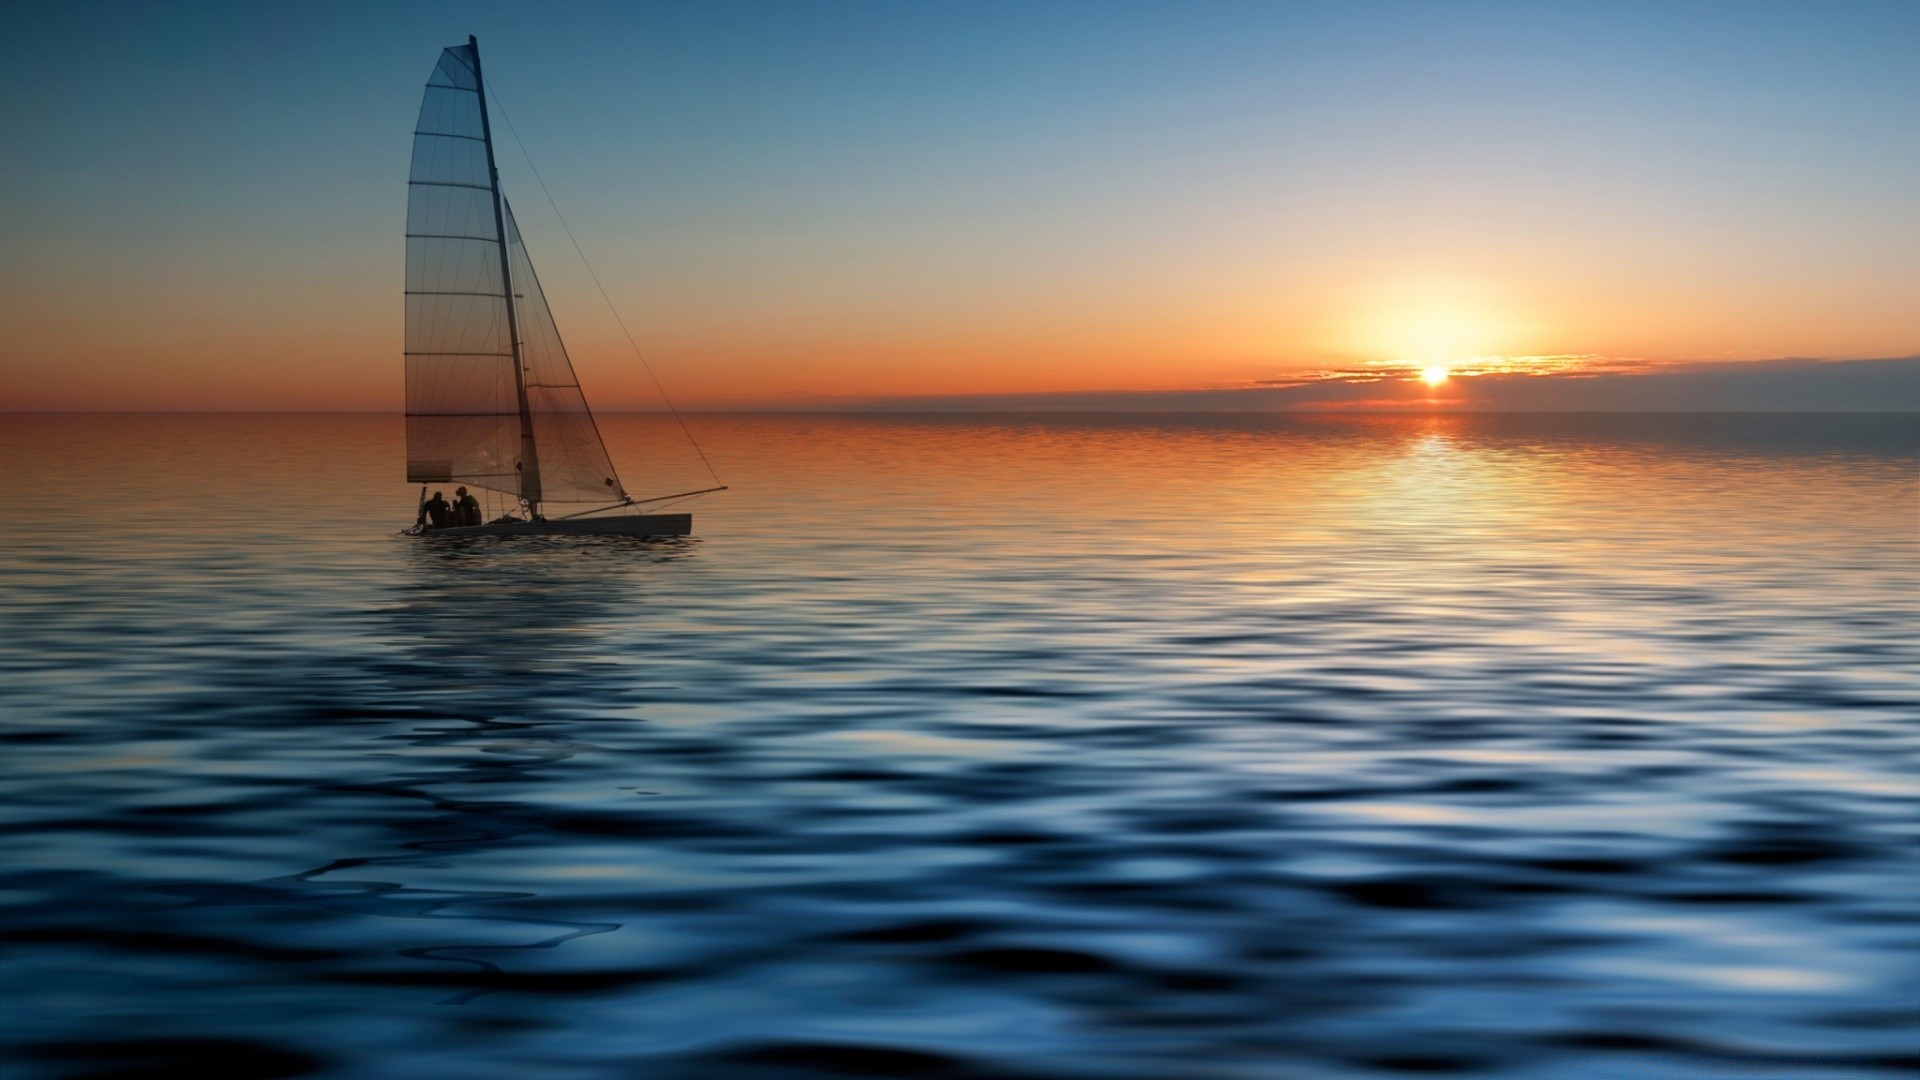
{"x": 493, "y": 655}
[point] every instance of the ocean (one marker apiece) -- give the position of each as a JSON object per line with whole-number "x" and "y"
{"x": 1195, "y": 747}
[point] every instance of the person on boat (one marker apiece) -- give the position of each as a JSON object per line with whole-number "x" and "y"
{"x": 434, "y": 510}
{"x": 466, "y": 508}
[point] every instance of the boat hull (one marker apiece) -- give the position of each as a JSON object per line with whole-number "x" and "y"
{"x": 618, "y": 525}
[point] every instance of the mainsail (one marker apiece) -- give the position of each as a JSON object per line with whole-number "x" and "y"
{"x": 483, "y": 408}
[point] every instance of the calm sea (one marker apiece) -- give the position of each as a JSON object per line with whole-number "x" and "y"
{"x": 1159, "y": 747}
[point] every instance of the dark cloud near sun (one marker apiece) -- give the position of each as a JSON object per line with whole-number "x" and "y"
{"x": 1785, "y": 385}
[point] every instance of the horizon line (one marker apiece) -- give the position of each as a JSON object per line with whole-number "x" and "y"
{"x": 1785, "y": 385}
{"x": 853, "y": 410}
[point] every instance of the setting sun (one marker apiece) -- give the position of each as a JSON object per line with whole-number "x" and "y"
{"x": 1434, "y": 375}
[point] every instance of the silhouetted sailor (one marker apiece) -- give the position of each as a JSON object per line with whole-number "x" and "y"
{"x": 466, "y": 508}
{"x": 435, "y": 510}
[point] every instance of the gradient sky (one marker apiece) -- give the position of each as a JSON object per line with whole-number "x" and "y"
{"x": 202, "y": 204}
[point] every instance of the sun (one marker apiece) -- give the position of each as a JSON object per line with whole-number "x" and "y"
{"x": 1434, "y": 375}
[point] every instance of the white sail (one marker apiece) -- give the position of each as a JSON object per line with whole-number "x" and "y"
{"x": 463, "y": 410}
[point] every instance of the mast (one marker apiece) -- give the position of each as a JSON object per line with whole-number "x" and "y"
{"x": 529, "y": 453}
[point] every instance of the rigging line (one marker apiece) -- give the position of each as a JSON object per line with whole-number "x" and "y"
{"x": 684, "y": 430}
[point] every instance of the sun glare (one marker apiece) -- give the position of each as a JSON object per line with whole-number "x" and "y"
{"x": 1434, "y": 375}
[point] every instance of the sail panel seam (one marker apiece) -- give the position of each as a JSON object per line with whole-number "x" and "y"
{"x": 446, "y": 183}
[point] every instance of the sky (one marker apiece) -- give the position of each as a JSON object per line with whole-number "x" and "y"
{"x": 800, "y": 202}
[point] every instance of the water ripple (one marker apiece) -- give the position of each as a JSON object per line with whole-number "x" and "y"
{"x": 1070, "y": 747}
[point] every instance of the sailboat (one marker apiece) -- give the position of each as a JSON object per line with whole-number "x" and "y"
{"x": 492, "y": 400}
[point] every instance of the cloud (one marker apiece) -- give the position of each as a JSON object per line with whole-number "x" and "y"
{"x": 1593, "y": 385}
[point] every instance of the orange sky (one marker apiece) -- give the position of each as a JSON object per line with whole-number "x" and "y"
{"x": 188, "y": 343}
